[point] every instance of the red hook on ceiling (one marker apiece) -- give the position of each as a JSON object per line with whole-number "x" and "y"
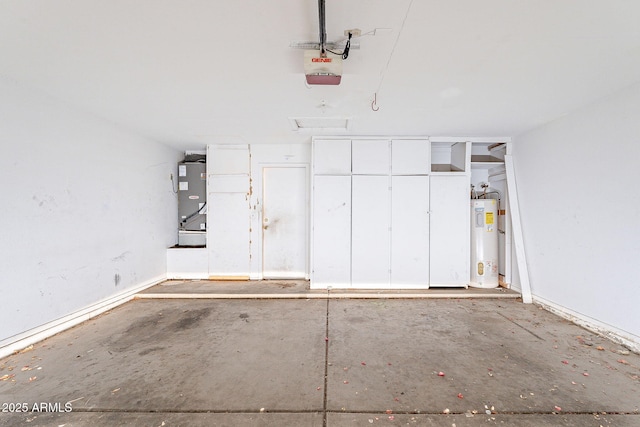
{"x": 374, "y": 103}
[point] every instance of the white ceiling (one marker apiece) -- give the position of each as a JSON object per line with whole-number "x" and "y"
{"x": 191, "y": 72}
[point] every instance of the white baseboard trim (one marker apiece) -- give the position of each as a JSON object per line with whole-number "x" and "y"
{"x": 325, "y": 295}
{"x": 187, "y": 276}
{"x": 632, "y": 342}
{"x": 25, "y": 339}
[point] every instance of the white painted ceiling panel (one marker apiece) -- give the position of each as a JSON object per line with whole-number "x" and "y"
{"x": 191, "y": 72}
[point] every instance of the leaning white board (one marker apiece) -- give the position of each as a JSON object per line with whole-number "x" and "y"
{"x": 517, "y": 231}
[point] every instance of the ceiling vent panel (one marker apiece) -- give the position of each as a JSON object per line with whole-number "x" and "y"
{"x": 319, "y": 123}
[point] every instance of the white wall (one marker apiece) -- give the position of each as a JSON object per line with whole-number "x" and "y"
{"x": 579, "y": 188}
{"x": 87, "y": 210}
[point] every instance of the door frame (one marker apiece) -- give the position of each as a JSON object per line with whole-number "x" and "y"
{"x": 306, "y": 213}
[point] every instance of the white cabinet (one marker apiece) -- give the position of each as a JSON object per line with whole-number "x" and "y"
{"x": 331, "y": 250}
{"x": 386, "y": 214}
{"x": 449, "y": 230}
{"x": 370, "y": 213}
{"x": 370, "y": 157}
{"x": 410, "y": 157}
{"x": 331, "y": 214}
{"x": 390, "y": 232}
{"x": 228, "y": 159}
{"x": 228, "y": 237}
{"x": 187, "y": 263}
{"x": 228, "y": 211}
{"x": 370, "y": 234}
{"x": 332, "y": 157}
{"x": 410, "y": 231}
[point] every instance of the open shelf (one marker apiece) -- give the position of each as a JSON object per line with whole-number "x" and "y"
{"x": 485, "y": 162}
{"x": 445, "y": 168}
{"x": 487, "y": 155}
{"x": 448, "y": 157}
{"x": 478, "y": 158}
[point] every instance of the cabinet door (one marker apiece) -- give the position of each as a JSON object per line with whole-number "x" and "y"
{"x": 410, "y": 232}
{"x": 228, "y": 235}
{"x": 331, "y": 250}
{"x": 449, "y": 231}
{"x": 332, "y": 157}
{"x": 410, "y": 157}
{"x": 370, "y": 238}
{"x": 229, "y": 159}
{"x": 370, "y": 157}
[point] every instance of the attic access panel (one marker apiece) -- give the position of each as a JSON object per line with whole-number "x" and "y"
{"x": 319, "y": 123}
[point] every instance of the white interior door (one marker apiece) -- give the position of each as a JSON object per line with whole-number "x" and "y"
{"x": 284, "y": 222}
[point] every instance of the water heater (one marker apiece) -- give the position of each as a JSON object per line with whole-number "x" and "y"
{"x": 484, "y": 243}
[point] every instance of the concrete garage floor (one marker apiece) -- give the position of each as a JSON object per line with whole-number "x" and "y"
{"x": 323, "y": 361}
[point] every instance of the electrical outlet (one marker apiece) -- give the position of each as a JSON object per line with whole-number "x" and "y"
{"x": 355, "y": 32}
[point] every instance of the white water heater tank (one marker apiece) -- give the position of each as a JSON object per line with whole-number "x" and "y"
{"x": 484, "y": 243}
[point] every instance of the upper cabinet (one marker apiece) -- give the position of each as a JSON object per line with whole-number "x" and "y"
{"x": 385, "y": 157}
{"x": 228, "y": 159}
{"x": 332, "y": 157}
{"x": 370, "y": 157}
{"x": 410, "y": 157}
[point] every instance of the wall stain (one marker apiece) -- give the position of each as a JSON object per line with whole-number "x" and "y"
{"x": 121, "y": 257}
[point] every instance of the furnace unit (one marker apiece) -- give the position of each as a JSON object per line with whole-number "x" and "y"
{"x": 192, "y": 202}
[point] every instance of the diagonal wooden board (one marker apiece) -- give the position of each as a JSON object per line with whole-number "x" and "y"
{"x": 517, "y": 230}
